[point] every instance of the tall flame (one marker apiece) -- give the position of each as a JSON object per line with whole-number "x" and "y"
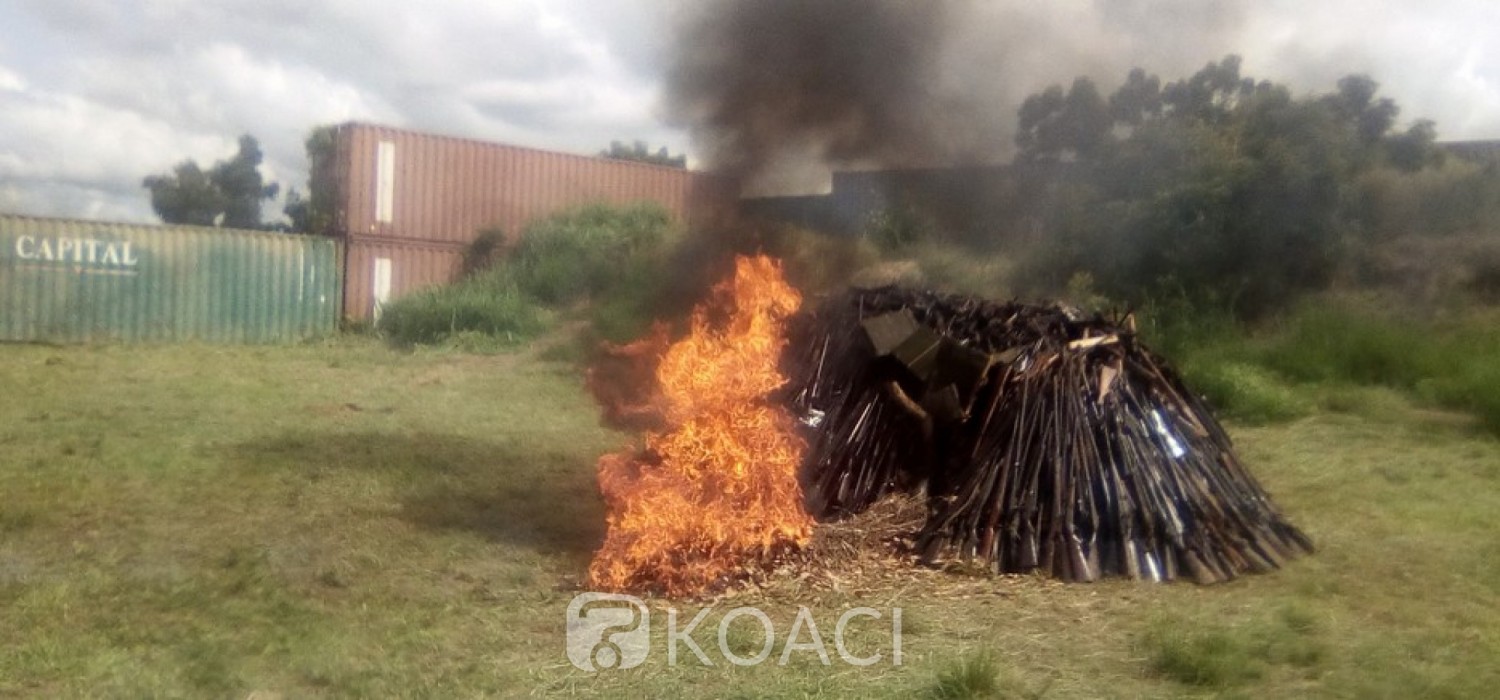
{"x": 715, "y": 493}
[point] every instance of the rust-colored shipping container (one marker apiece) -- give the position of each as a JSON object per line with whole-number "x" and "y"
{"x": 416, "y": 200}
{"x": 379, "y": 270}
{"x": 413, "y": 186}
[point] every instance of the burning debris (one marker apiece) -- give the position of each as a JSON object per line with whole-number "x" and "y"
{"x": 713, "y": 493}
{"x": 1044, "y": 441}
{"x": 1040, "y": 441}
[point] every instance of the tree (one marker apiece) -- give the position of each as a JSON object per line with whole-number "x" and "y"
{"x": 229, "y": 194}
{"x": 1055, "y": 127}
{"x": 187, "y": 196}
{"x": 1416, "y": 148}
{"x": 638, "y": 152}
{"x": 1211, "y": 94}
{"x": 1137, "y": 100}
{"x": 314, "y": 213}
{"x": 1229, "y": 190}
{"x": 1355, "y": 103}
{"x": 298, "y": 210}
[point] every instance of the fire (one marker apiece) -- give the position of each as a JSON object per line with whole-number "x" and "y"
{"x": 715, "y": 492}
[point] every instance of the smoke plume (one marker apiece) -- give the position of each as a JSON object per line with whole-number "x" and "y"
{"x": 778, "y": 91}
{"x": 771, "y": 83}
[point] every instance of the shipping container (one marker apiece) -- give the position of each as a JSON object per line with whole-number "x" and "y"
{"x": 377, "y": 271}
{"x": 409, "y": 203}
{"x": 402, "y": 185}
{"x": 80, "y": 281}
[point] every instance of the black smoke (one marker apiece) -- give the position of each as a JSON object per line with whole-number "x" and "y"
{"x": 765, "y": 83}
{"x": 774, "y": 89}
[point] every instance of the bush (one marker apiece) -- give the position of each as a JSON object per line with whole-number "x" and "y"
{"x": 1458, "y": 197}
{"x": 589, "y": 251}
{"x": 1324, "y": 352}
{"x": 1474, "y": 388}
{"x": 1322, "y": 343}
{"x": 485, "y": 251}
{"x": 1181, "y": 327}
{"x": 1216, "y": 358}
{"x": 1434, "y": 271}
{"x": 1451, "y": 363}
{"x": 612, "y": 256}
{"x": 1245, "y": 392}
{"x": 489, "y": 304}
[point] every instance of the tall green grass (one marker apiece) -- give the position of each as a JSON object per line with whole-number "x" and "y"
{"x": 1342, "y": 342}
{"x": 489, "y": 304}
{"x": 1453, "y": 363}
{"x": 612, "y": 258}
{"x": 1332, "y": 344}
{"x": 1281, "y": 370}
{"x": 616, "y": 259}
{"x": 591, "y": 251}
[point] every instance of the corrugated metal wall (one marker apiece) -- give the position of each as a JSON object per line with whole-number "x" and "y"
{"x": 447, "y": 189}
{"x": 418, "y": 199}
{"x": 412, "y": 267}
{"x": 79, "y": 281}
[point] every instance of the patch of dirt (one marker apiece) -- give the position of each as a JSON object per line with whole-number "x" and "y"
{"x": 870, "y": 557}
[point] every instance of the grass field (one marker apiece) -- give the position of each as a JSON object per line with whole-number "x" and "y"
{"x": 345, "y": 520}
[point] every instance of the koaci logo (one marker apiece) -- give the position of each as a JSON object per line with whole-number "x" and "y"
{"x": 607, "y": 631}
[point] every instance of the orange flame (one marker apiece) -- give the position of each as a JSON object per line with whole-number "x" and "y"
{"x": 716, "y": 492}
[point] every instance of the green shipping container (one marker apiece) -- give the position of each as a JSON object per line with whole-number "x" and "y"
{"x": 81, "y": 281}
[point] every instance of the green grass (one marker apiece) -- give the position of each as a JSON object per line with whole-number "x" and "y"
{"x": 1330, "y": 350}
{"x": 1246, "y": 392}
{"x": 348, "y": 520}
{"x": 1450, "y": 362}
{"x": 977, "y": 676}
{"x": 488, "y": 305}
{"x": 590, "y": 251}
{"x": 1217, "y": 656}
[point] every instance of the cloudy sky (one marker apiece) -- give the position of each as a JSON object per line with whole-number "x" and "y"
{"x": 96, "y": 94}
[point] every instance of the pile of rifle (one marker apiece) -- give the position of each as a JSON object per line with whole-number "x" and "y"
{"x": 1044, "y": 441}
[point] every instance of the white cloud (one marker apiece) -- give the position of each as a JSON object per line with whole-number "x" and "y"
{"x": 183, "y": 79}
{"x": 10, "y": 81}
{"x": 95, "y": 95}
{"x": 75, "y": 149}
{"x": 1435, "y": 58}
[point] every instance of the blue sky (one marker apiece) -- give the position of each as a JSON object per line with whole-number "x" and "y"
{"x": 96, "y": 95}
